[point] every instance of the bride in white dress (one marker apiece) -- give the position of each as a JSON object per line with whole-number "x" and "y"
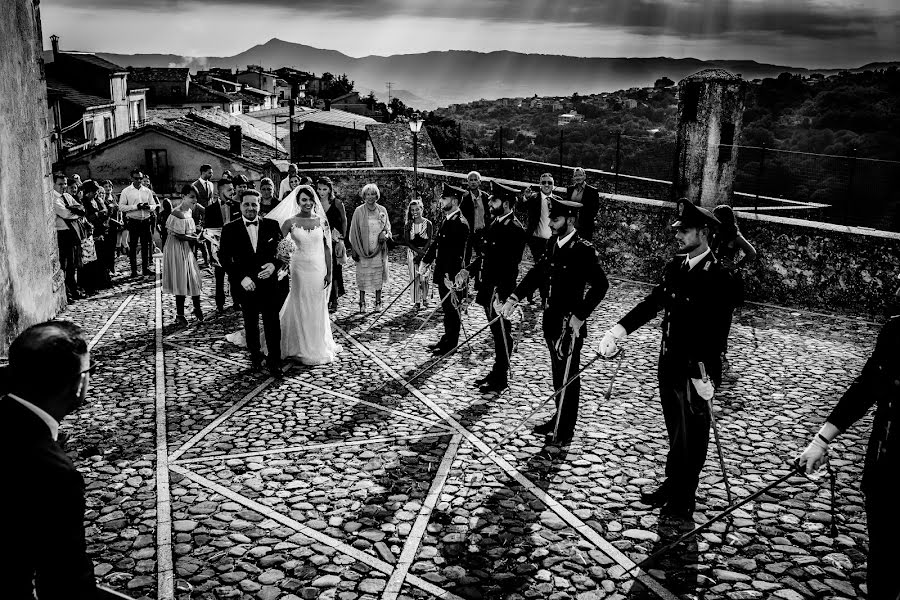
{"x": 305, "y": 324}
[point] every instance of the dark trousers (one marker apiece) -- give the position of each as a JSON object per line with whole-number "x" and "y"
{"x": 106, "y": 253}
{"x": 219, "y": 274}
{"x": 337, "y": 280}
{"x": 253, "y": 305}
{"x": 451, "y": 317}
{"x": 883, "y": 522}
{"x": 568, "y": 412}
{"x": 502, "y": 350}
{"x": 139, "y": 231}
{"x": 67, "y": 240}
{"x": 537, "y": 246}
{"x": 687, "y": 422}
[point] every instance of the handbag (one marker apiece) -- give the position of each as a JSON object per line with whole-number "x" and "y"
{"x": 88, "y": 250}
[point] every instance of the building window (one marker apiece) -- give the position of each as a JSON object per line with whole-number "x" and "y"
{"x": 107, "y": 128}
{"x": 89, "y": 131}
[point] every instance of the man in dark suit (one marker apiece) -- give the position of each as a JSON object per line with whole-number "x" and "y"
{"x": 576, "y": 284}
{"x": 447, "y": 252}
{"x": 475, "y": 210}
{"x": 538, "y": 223}
{"x": 204, "y": 186}
{"x": 690, "y": 367}
{"x": 589, "y": 198}
{"x": 248, "y": 253}
{"x": 217, "y": 215}
{"x": 43, "y": 498}
{"x": 498, "y": 267}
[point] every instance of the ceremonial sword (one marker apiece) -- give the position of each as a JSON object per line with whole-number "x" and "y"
{"x": 428, "y": 318}
{"x": 394, "y": 301}
{"x": 715, "y": 428}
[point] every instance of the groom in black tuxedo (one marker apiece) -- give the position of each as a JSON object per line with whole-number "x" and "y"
{"x": 248, "y": 253}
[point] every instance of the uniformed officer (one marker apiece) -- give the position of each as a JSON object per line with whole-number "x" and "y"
{"x": 691, "y": 296}
{"x": 498, "y": 267}
{"x": 879, "y": 384}
{"x": 446, "y": 252}
{"x": 575, "y": 286}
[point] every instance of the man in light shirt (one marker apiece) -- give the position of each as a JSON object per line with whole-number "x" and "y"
{"x": 137, "y": 205}
{"x": 538, "y": 225}
{"x": 204, "y": 185}
{"x": 47, "y": 378}
{"x": 67, "y": 213}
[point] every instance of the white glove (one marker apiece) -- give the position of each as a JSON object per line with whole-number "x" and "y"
{"x": 814, "y": 456}
{"x": 706, "y": 389}
{"x": 461, "y": 278}
{"x": 609, "y": 345}
{"x": 508, "y": 308}
{"x": 423, "y": 269}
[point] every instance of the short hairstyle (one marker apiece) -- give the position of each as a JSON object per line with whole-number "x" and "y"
{"x": 292, "y": 168}
{"x": 188, "y": 189}
{"x": 224, "y": 181}
{"x": 59, "y": 175}
{"x": 54, "y": 345}
{"x": 90, "y": 187}
{"x": 266, "y": 181}
{"x": 205, "y": 167}
{"x": 545, "y": 175}
{"x": 476, "y": 173}
{"x": 577, "y": 169}
{"x": 370, "y": 187}
{"x": 249, "y": 192}
{"x": 106, "y": 182}
{"x": 136, "y": 173}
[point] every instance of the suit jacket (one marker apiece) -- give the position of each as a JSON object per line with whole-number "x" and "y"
{"x": 498, "y": 265}
{"x": 467, "y": 208}
{"x": 43, "y": 500}
{"x": 587, "y": 216}
{"x": 577, "y": 283}
{"x": 448, "y": 248}
{"x": 239, "y": 260}
{"x": 694, "y": 315}
{"x": 878, "y": 384}
{"x": 204, "y": 196}
{"x": 213, "y": 215}
{"x": 533, "y": 209}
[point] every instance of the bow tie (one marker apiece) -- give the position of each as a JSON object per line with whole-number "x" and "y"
{"x": 251, "y": 223}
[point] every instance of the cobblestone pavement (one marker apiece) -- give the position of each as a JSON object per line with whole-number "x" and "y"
{"x": 208, "y": 480}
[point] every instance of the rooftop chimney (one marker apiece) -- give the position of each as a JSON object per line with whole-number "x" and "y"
{"x": 235, "y": 137}
{"x": 54, "y": 42}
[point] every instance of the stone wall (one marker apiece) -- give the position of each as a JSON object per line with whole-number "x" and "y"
{"x": 803, "y": 264}
{"x": 30, "y": 279}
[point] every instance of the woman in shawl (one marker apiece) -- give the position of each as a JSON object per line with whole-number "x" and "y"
{"x": 370, "y": 230}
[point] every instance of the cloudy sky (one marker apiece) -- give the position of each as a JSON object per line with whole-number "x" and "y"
{"x": 812, "y": 33}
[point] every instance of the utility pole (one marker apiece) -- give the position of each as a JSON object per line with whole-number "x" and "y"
{"x": 389, "y": 84}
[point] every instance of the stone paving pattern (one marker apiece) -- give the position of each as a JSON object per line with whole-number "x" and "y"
{"x": 316, "y": 486}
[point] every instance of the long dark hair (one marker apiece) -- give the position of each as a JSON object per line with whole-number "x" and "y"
{"x": 728, "y": 228}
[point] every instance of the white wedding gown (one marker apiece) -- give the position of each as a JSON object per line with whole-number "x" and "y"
{"x": 305, "y": 324}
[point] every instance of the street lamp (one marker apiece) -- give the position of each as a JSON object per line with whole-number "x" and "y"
{"x": 415, "y": 125}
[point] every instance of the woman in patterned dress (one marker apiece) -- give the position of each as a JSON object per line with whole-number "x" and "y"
{"x": 181, "y": 274}
{"x": 370, "y": 230}
{"x": 417, "y": 233}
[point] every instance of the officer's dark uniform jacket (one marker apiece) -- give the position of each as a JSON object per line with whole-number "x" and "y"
{"x": 694, "y": 311}
{"x": 498, "y": 264}
{"x": 448, "y": 248}
{"x": 570, "y": 270}
{"x": 879, "y": 384}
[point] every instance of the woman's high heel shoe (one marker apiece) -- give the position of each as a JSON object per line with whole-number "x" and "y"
{"x": 378, "y": 306}
{"x": 362, "y": 306}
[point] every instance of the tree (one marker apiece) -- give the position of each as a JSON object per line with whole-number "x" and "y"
{"x": 663, "y": 82}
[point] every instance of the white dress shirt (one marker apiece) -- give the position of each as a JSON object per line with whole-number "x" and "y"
{"x": 61, "y": 203}
{"x": 252, "y": 231}
{"x": 692, "y": 262}
{"x": 565, "y": 240}
{"x": 52, "y": 424}
{"x": 283, "y": 187}
{"x": 131, "y": 197}
{"x": 543, "y": 226}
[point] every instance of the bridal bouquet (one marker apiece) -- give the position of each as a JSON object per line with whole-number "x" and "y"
{"x": 286, "y": 247}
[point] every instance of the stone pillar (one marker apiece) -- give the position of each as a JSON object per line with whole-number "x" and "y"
{"x": 710, "y": 111}
{"x": 30, "y": 280}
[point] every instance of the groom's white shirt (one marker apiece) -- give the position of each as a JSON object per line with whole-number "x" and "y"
{"x": 253, "y": 232}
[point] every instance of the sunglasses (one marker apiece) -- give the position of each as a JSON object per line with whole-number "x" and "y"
{"x": 546, "y": 183}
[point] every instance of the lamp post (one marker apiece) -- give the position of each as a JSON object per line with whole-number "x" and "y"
{"x": 415, "y": 125}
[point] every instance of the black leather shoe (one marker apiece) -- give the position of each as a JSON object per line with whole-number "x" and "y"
{"x": 563, "y": 437}
{"x": 481, "y": 381}
{"x": 681, "y": 509}
{"x": 149, "y": 272}
{"x": 545, "y": 428}
{"x": 656, "y": 498}
{"x": 439, "y": 350}
{"x": 276, "y": 371}
{"x": 493, "y": 387}
{"x": 256, "y": 361}
{"x": 435, "y": 345}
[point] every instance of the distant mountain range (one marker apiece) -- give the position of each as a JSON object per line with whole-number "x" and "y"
{"x": 433, "y": 79}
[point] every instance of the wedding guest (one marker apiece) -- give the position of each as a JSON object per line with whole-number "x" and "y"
{"x": 155, "y": 223}
{"x": 285, "y": 187}
{"x": 67, "y": 213}
{"x": 293, "y": 181}
{"x": 726, "y": 244}
{"x": 337, "y": 221}
{"x": 181, "y": 274}
{"x": 114, "y": 228}
{"x": 166, "y": 207}
{"x": 204, "y": 185}
{"x": 266, "y": 196}
{"x": 48, "y": 377}
{"x": 138, "y": 205}
{"x": 93, "y": 274}
{"x": 417, "y": 234}
{"x": 216, "y": 217}
{"x": 370, "y": 230}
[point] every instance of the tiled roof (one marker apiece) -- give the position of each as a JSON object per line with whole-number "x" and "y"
{"x": 216, "y": 138}
{"x": 335, "y": 118}
{"x": 93, "y": 60}
{"x": 393, "y": 146}
{"x": 146, "y": 74}
{"x": 70, "y": 94}
{"x": 255, "y": 129}
{"x": 201, "y": 93}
